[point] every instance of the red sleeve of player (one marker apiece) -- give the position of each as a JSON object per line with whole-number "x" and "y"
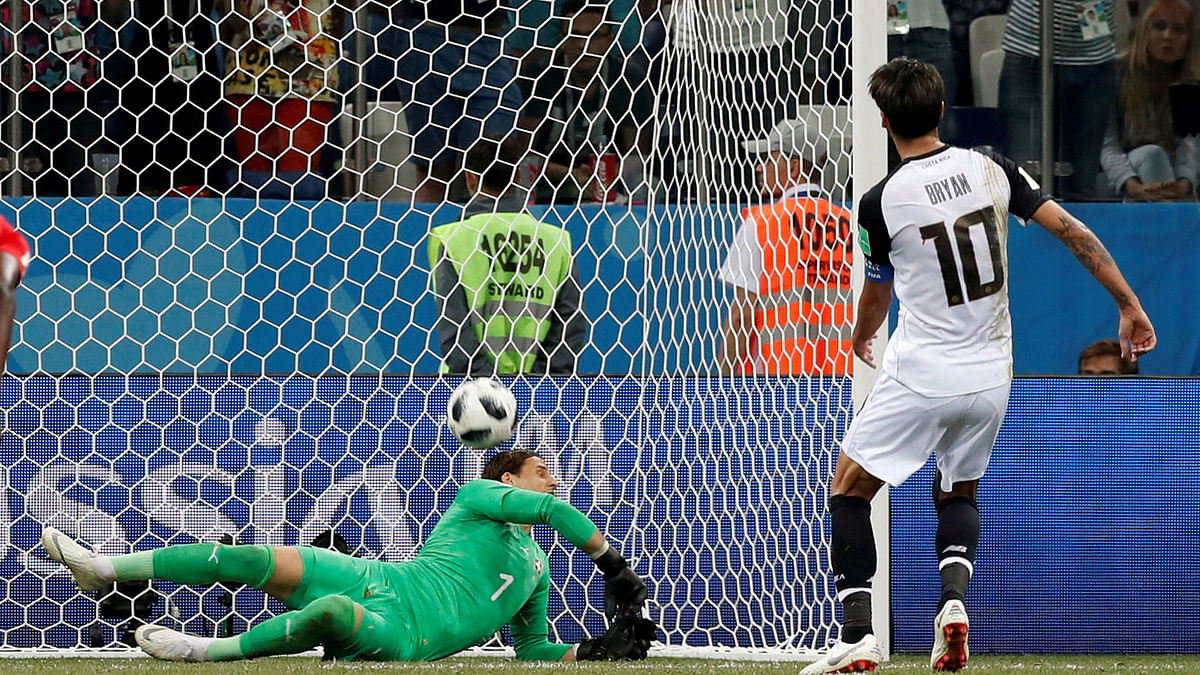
{"x": 14, "y": 244}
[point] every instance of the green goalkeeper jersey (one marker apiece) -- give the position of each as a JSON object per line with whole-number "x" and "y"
{"x": 478, "y": 571}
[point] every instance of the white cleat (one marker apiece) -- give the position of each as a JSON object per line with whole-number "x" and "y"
{"x": 171, "y": 645}
{"x": 78, "y": 559}
{"x": 950, "y": 630}
{"x": 862, "y": 656}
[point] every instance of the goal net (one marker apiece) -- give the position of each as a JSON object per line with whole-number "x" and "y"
{"x": 229, "y": 332}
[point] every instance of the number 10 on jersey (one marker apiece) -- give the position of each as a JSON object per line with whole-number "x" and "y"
{"x": 944, "y": 245}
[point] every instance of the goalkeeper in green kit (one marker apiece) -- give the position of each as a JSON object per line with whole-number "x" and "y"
{"x": 479, "y": 570}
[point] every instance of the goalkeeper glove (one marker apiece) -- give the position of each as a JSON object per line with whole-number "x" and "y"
{"x": 628, "y": 638}
{"x": 624, "y": 590}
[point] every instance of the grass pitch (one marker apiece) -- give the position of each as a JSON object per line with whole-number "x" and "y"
{"x": 1049, "y": 664}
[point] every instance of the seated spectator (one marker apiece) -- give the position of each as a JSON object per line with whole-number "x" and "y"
{"x": 1144, "y": 159}
{"x": 62, "y": 97}
{"x": 641, "y": 33}
{"x": 532, "y": 39}
{"x": 1103, "y": 357}
{"x": 280, "y": 84}
{"x": 784, "y": 53}
{"x": 587, "y": 105}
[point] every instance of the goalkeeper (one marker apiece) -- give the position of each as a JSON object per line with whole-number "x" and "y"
{"x": 479, "y": 570}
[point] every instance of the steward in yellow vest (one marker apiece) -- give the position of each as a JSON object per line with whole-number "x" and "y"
{"x": 506, "y": 285}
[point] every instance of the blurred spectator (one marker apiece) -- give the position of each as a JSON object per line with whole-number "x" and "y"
{"x": 532, "y": 40}
{"x": 1143, "y": 156}
{"x": 960, "y": 14}
{"x": 446, "y": 61}
{"x": 1085, "y": 85}
{"x": 1103, "y": 357}
{"x": 588, "y": 109}
{"x": 506, "y": 285}
{"x": 921, "y": 29}
{"x": 733, "y": 72}
{"x": 825, "y": 43}
{"x": 62, "y": 98}
{"x": 167, "y": 123}
{"x": 280, "y": 84}
{"x": 653, "y": 16}
{"x": 536, "y": 33}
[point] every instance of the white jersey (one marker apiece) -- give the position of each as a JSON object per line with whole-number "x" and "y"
{"x": 938, "y": 227}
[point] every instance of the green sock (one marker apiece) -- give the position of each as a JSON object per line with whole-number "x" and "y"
{"x": 226, "y": 649}
{"x": 138, "y": 565}
{"x": 200, "y": 564}
{"x": 326, "y": 620}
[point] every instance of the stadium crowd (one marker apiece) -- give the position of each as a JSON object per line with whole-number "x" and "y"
{"x": 257, "y": 97}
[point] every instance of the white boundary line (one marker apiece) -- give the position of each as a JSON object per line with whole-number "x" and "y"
{"x": 662, "y": 651}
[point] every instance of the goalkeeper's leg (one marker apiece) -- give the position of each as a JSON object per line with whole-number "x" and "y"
{"x": 276, "y": 570}
{"x": 333, "y": 621}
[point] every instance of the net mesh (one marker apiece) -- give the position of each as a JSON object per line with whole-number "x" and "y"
{"x": 228, "y": 330}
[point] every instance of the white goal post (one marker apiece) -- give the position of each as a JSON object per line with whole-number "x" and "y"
{"x": 213, "y": 344}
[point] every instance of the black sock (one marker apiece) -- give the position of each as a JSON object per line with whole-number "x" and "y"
{"x": 957, "y": 539}
{"x": 856, "y": 616}
{"x": 852, "y": 555}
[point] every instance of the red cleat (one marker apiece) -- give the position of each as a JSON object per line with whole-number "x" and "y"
{"x": 950, "y": 630}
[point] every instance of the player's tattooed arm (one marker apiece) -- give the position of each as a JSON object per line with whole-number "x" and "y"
{"x": 1088, "y": 250}
{"x": 1135, "y": 331}
{"x": 1083, "y": 243}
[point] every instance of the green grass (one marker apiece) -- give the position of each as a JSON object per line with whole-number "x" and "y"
{"x": 1049, "y": 664}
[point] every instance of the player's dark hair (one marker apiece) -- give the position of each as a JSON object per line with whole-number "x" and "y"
{"x": 495, "y": 160}
{"x": 910, "y": 93}
{"x": 509, "y": 461}
{"x": 1107, "y": 347}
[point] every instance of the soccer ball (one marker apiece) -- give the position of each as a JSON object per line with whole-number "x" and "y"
{"x": 482, "y": 413}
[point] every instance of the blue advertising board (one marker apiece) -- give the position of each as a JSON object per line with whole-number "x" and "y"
{"x": 715, "y": 488}
{"x": 1091, "y": 534}
{"x": 686, "y": 474}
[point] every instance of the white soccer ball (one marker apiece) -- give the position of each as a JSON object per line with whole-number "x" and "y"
{"x": 482, "y": 413}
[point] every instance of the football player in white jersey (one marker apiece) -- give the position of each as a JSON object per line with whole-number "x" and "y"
{"x": 935, "y": 231}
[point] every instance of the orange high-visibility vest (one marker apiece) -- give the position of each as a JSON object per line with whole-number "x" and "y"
{"x": 804, "y": 316}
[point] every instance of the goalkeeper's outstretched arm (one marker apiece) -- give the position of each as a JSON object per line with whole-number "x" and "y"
{"x": 623, "y": 588}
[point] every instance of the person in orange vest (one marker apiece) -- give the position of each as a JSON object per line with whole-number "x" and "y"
{"x": 789, "y": 266}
